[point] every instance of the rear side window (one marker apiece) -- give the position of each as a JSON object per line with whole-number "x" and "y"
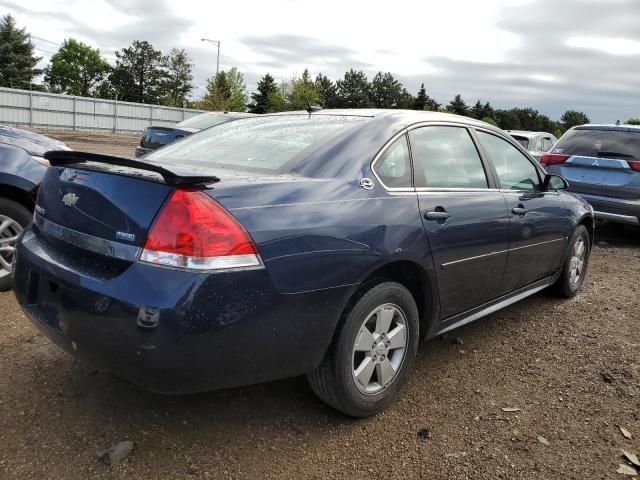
{"x": 600, "y": 143}
{"x": 265, "y": 143}
{"x": 514, "y": 170}
{"x": 394, "y": 166}
{"x": 545, "y": 144}
{"x": 446, "y": 157}
{"x": 524, "y": 141}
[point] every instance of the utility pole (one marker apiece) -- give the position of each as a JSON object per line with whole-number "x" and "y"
{"x": 215, "y": 42}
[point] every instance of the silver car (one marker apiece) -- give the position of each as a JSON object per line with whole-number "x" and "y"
{"x": 536, "y": 143}
{"x": 602, "y": 164}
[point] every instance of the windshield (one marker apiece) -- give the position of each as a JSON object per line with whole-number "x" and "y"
{"x": 600, "y": 143}
{"x": 264, "y": 143}
{"x": 524, "y": 141}
{"x": 205, "y": 120}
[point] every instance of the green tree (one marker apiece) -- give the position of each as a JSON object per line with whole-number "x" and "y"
{"x": 75, "y": 69}
{"x": 178, "y": 80}
{"x": 385, "y": 91}
{"x": 490, "y": 120}
{"x": 327, "y": 92}
{"x": 353, "y": 90}
{"x": 226, "y": 91}
{"x": 424, "y": 101}
{"x": 17, "y": 61}
{"x": 572, "y": 118}
{"x": 406, "y": 100}
{"x": 264, "y": 94}
{"x": 139, "y": 74}
{"x": 507, "y": 120}
{"x": 303, "y": 92}
{"x": 633, "y": 121}
{"x": 488, "y": 111}
{"x": 217, "y": 94}
{"x": 458, "y": 106}
{"x": 477, "y": 111}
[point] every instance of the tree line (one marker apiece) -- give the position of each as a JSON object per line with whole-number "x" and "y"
{"x": 144, "y": 74}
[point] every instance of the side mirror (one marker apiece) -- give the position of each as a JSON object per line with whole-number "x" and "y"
{"x": 554, "y": 183}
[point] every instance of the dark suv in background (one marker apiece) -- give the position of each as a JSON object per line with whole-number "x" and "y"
{"x": 602, "y": 164}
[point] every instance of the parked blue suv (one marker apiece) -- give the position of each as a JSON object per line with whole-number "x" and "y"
{"x": 602, "y": 164}
{"x": 321, "y": 244}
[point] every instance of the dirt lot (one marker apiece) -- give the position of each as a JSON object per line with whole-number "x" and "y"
{"x": 572, "y": 367}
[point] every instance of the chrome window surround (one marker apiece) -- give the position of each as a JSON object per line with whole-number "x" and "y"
{"x": 405, "y": 131}
{"x": 483, "y": 156}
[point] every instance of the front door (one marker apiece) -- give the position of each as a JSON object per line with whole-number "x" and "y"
{"x": 539, "y": 228}
{"x": 466, "y": 221}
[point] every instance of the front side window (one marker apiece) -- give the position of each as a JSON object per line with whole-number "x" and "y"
{"x": 515, "y": 171}
{"x": 446, "y": 157}
{"x": 394, "y": 166}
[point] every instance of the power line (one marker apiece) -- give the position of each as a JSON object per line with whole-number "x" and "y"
{"x": 45, "y": 40}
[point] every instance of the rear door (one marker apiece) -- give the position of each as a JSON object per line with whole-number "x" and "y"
{"x": 465, "y": 218}
{"x": 538, "y": 224}
{"x": 599, "y": 161}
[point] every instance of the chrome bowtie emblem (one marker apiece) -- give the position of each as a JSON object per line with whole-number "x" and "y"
{"x": 70, "y": 199}
{"x": 595, "y": 164}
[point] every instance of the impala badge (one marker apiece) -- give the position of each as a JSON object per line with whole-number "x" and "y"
{"x": 70, "y": 199}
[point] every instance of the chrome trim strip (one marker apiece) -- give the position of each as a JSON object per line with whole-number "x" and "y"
{"x": 454, "y": 190}
{"x": 448, "y": 264}
{"x": 88, "y": 242}
{"x": 563, "y": 239}
{"x": 616, "y": 217}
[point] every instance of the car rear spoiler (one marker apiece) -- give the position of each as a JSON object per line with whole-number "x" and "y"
{"x": 173, "y": 179}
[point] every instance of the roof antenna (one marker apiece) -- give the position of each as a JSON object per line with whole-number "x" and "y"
{"x": 617, "y": 122}
{"x": 312, "y": 108}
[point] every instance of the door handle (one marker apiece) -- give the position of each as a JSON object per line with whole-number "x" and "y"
{"x": 440, "y": 215}
{"x": 520, "y": 211}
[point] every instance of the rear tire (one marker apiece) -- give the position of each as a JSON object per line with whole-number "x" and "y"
{"x": 575, "y": 265}
{"x": 367, "y": 365}
{"x": 14, "y": 218}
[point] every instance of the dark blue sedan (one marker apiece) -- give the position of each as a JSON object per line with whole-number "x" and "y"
{"x": 325, "y": 244}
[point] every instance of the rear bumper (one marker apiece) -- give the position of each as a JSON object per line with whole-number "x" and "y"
{"x": 614, "y": 209}
{"x": 140, "y": 151}
{"x": 175, "y": 332}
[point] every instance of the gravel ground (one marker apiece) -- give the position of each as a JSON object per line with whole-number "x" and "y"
{"x": 571, "y": 367}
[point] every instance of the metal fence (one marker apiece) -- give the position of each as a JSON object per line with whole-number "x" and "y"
{"x": 49, "y": 110}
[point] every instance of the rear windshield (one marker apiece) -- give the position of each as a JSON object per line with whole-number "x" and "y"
{"x": 264, "y": 143}
{"x": 524, "y": 141}
{"x": 600, "y": 143}
{"x": 204, "y": 121}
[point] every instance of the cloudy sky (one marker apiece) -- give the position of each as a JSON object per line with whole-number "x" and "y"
{"x": 549, "y": 54}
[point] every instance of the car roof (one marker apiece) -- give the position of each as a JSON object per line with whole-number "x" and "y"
{"x": 609, "y": 127}
{"x": 406, "y": 117}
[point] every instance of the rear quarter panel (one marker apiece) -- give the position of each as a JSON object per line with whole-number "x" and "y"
{"x": 321, "y": 234}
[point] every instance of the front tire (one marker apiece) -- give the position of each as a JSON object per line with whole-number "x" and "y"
{"x": 575, "y": 265}
{"x": 14, "y": 218}
{"x": 372, "y": 353}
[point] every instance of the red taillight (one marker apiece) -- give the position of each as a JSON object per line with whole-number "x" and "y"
{"x": 634, "y": 164}
{"x": 193, "y": 231}
{"x": 553, "y": 158}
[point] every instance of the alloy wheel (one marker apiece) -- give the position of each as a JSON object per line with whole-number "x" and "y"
{"x": 379, "y": 349}
{"x": 576, "y": 264}
{"x": 10, "y": 230}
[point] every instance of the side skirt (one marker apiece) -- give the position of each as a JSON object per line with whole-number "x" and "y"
{"x": 495, "y": 305}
